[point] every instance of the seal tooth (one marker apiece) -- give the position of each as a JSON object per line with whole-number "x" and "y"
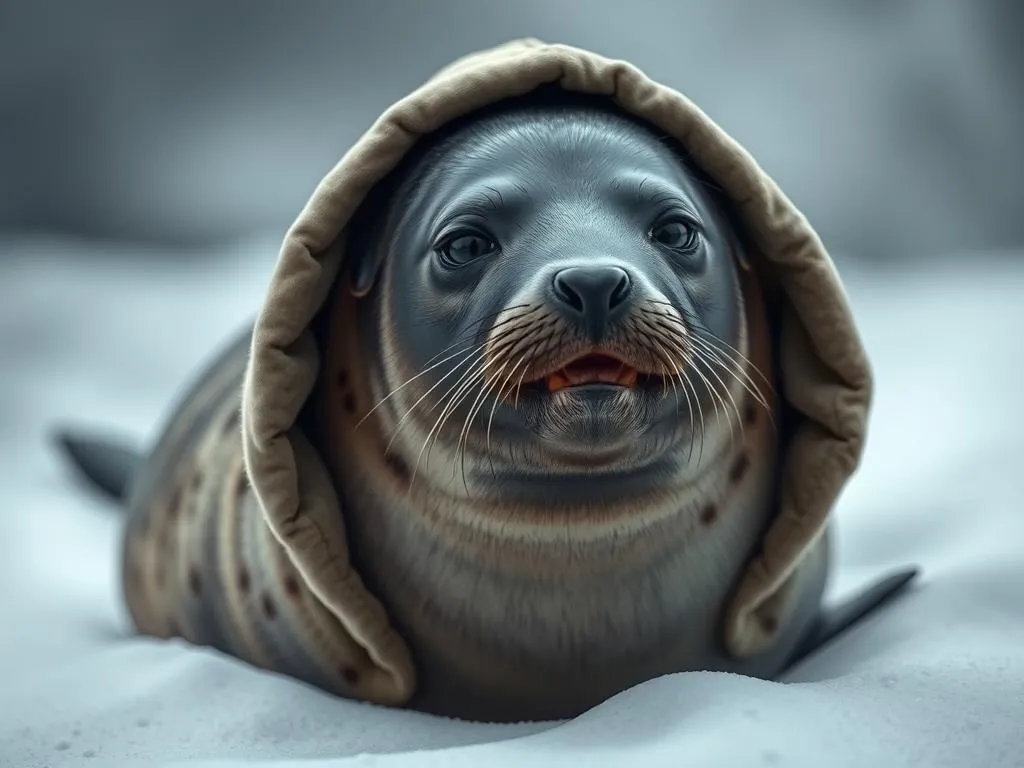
{"x": 557, "y": 380}
{"x": 627, "y": 376}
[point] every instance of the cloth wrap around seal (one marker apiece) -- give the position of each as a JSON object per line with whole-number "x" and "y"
{"x": 825, "y": 375}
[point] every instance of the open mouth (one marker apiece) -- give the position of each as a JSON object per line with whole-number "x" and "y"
{"x": 591, "y": 368}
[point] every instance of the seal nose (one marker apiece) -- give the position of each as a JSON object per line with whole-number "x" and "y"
{"x": 592, "y": 294}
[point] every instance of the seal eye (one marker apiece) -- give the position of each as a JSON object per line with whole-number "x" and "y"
{"x": 677, "y": 235}
{"x": 464, "y": 248}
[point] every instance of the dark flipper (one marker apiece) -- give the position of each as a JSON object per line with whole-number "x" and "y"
{"x": 109, "y": 465}
{"x": 836, "y": 619}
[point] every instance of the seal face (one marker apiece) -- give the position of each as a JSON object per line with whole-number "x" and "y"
{"x": 564, "y": 459}
{"x": 569, "y": 289}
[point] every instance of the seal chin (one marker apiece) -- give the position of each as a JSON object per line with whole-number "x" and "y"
{"x": 592, "y": 423}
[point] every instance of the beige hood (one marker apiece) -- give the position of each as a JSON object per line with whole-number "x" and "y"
{"x": 825, "y": 374}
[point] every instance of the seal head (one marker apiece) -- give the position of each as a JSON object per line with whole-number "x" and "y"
{"x": 562, "y": 297}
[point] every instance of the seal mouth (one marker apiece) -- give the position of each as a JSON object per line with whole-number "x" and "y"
{"x": 592, "y": 368}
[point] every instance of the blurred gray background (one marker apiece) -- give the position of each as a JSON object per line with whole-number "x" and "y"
{"x": 896, "y": 126}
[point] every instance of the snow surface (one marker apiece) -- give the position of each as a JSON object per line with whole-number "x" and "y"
{"x": 936, "y": 680}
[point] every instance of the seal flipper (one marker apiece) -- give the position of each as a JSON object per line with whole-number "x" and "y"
{"x": 833, "y": 620}
{"x": 109, "y": 465}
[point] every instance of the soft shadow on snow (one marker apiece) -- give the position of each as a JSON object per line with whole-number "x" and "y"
{"x": 935, "y": 680}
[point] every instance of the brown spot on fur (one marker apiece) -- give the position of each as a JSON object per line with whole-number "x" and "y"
{"x": 291, "y": 586}
{"x": 350, "y": 674}
{"x": 708, "y": 514}
{"x": 397, "y": 465}
{"x": 269, "y": 609}
{"x": 343, "y": 379}
{"x": 749, "y": 413}
{"x": 349, "y": 403}
{"x": 241, "y": 485}
{"x": 769, "y": 624}
{"x": 195, "y": 582}
{"x": 172, "y": 506}
{"x": 739, "y": 467}
{"x": 163, "y": 536}
{"x": 244, "y": 580}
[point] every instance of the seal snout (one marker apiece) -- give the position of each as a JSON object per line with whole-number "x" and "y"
{"x": 592, "y": 295}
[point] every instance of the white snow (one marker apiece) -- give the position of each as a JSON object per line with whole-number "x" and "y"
{"x": 936, "y": 680}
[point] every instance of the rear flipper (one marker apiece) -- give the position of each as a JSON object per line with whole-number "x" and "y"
{"x": 833, "y": 620}
{"x": 109, "y": 465}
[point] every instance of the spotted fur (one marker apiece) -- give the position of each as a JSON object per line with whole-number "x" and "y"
{"x": 200, "y": 563}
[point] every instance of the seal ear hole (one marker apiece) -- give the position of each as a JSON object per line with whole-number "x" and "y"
{"x": 364, "y": 265}
{"x": 364, "y": 247}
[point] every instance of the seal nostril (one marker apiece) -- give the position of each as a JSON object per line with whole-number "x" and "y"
{"x": 565, "y": 291}
{"x": 621, "y": 291}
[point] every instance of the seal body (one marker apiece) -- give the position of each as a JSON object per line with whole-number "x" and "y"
{"x": 543, "y": 546}
{"x": 547, "y": 406}
{"x": 199, "y": 562}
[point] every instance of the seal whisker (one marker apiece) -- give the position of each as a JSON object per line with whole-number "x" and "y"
{"x": 474, "y": 409}
{"x": 461, "y": 390}
{"x": 452, "y": 402}
{"x": 673, "y": 343}
{"x": 412, "y": 408}
{"x": 687, "y": 354}
{"x": 698, "y": 331}
{"x": 702, "y": 356}
{"x": 425, "y": 395}
{"x": 497, "y": 399}
{"x": 739, "y": 366}
{"x": 676, "y": 374}
{"x": 720, "y": 359}
{"x": 497, "y": 395}
{"x": 736, "y": 369}
{"x": 468, "y": 353}
{"x": 472, "y": 327}
{"x": 669, "y": 334}
{"x": 444, "y": 396}
{"x": 700, "y": 413}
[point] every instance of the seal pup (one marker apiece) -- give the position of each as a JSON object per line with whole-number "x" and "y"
{"x": 568, "y": 449}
